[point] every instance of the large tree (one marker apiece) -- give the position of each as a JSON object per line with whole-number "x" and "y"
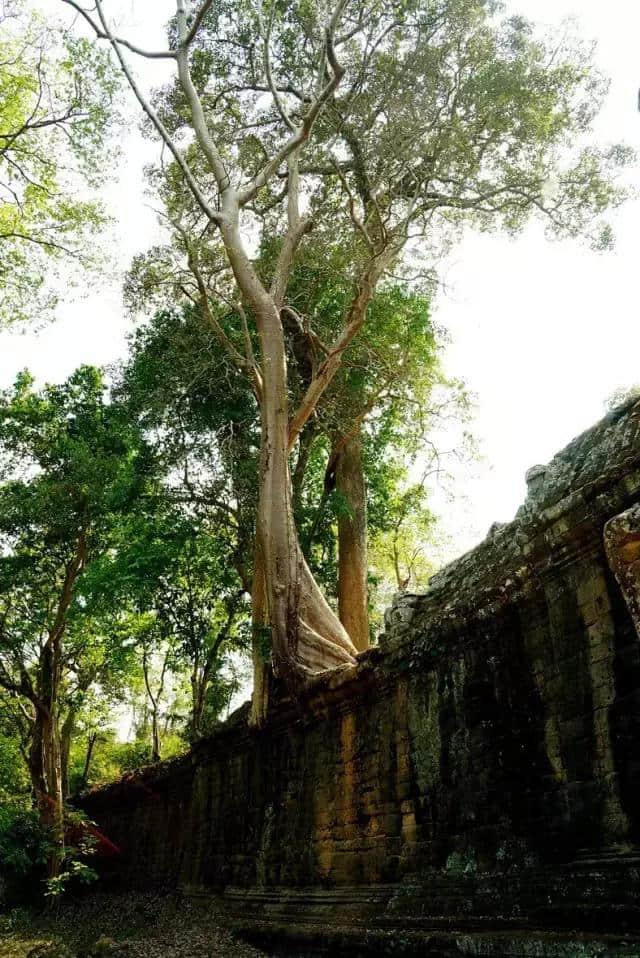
{"x": 388, "y": 125}
{"x": 385, "y": 401}
{"x": 70, "y": 467}
{"x": 390, "y": 385}
{"x": 382, "y": 406}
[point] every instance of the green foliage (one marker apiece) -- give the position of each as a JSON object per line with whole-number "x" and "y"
{"x": 73, "y": 874}
{"x": 71, "y": 466}
{"x": 24, "y": 845}
{"x": 74, "y": 871}
{"x": 101, "y": 550}
{"x": 449, "y": 112}
{"x": 112, "y": 758}
{"x": 203, "y": 420}
{"x": 172, "y": 570}
{"x": 57, "y": 100}
{"x": 13, "y": 776}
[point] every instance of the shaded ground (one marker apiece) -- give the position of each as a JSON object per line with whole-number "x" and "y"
{"x": 139, "y": 926}
{"x": 168, "y": 926}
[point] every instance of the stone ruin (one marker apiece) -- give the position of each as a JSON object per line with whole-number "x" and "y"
{"x": 474, "y": 789}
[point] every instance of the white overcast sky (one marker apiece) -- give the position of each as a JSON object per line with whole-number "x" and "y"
{"x": 541, "y": 332}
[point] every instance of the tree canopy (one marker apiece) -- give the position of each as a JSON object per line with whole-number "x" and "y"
{"x": 57, "y": 101}
{"x": 380, "y": 129}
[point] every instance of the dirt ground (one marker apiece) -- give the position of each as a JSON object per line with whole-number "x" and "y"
{"x": 135, "y": 926}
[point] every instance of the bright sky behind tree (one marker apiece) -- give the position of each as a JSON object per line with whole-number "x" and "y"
{"x": 542, "y": 332}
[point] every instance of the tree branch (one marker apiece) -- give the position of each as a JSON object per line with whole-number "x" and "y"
{"x": 104, "y": 35}
{"x": 267, "y": 69}
{"x": 353, "y": 324}
{"x": 155, "y": 120}
{"x": 298, "y": 227}
{"x": 195, "y": 26}
{"x": 302, "y": 133}
{"x": 200, "y": 126}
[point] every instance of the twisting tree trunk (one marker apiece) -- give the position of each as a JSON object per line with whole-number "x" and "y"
{"x": 307, "y": 635}
{"x": 353, "y": 595}
{"x": 155, "y": 702}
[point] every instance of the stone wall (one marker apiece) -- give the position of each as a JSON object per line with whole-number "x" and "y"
{"x": 480, "y": 771}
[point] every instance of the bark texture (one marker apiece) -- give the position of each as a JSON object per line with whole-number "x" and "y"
{"x": 306, "y": 633}
{"x": 66, "y": 735}
{"x": 261, "y": 645}
{"x": 353, "y": 594}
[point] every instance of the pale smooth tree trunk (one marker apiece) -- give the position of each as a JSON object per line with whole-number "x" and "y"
{"x": 307, "y": 636}
{"x": 353, "y": 593}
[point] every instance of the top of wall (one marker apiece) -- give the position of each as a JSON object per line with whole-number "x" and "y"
{"x": 496, "y": 570}
{"x": 598, "y": 454}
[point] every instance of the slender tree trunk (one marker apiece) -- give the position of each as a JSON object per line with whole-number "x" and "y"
{"x": 261, "y": 645}
{"x": 87, "y": 762}
{"x": 198, "y": 688}
{"x": 45, "y": 770}
{"x": 52, "y": 804}
{"x": 353, "y": 595}
{"x": 66, "y": 735}
{"x": 155, "y": 736}
{"x": 50, "y": 798}
{"x": 37, "y": 768}
{"x": 155, "y": 703}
